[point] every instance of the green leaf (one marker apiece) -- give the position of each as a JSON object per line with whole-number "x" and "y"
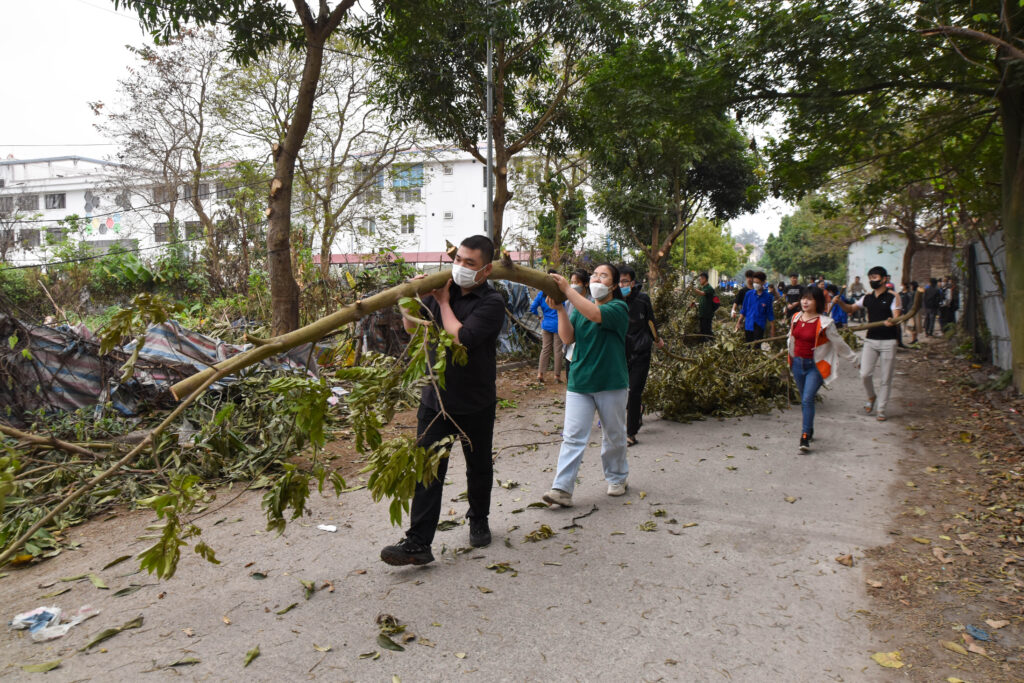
{"x": 119, "y": 560}
{"x": 127, "y": 591}
{"x": 388, "y": 644}
{"x": 286, "y": 610}
{"x": 106, "y": 634}
{"x": 41, "y": 668}
{"x": 251, "y": 655}
{"x": 98, "y": 582}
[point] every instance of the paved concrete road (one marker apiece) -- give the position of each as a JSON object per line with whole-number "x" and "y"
{"x": 750, "y": 593}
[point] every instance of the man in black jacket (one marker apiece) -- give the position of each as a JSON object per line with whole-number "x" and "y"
{"x": 640, "y": 339}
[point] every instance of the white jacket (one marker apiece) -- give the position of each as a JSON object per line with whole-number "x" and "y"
{"x": 827, "y": 345}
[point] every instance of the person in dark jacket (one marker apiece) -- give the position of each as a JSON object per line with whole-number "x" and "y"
{"x": 706, "y": 307}
{"x": 932, "y": 299}
{"x": 640, "y": 339}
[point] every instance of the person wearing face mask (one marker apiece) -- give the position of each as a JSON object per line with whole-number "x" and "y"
{"x": 598, "y": 382}
{"x": 640, "y": 338}
{"x": 882, "y": 305}
{"x": 472, "y": 311}
{"x": 758, "y": 311}
{"x": 580, "y": 283}
{"x": 741, "y": 293}
{"x": 813, "y": 345}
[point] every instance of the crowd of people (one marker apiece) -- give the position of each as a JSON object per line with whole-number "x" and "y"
{"x": 603, "y": 334}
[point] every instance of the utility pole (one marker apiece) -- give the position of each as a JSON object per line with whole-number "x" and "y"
{"x": 490, "y": 128}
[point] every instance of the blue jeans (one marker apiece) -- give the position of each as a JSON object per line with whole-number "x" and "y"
{"x": 579, "y": 418}
{"x": 808, "y": 381}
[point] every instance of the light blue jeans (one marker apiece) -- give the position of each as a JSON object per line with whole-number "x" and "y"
{"x": 579, "y": 418}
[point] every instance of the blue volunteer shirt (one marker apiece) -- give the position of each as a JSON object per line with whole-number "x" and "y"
{"x": 757, "y": 309}
{"x": 550, "y": 321}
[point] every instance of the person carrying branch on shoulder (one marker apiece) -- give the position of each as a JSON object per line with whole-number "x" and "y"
{"x": 472, "y": 311}
{"x": 598, "y": 381}
{"x": 813, "y": 344}
{"x": 882, "y": 305}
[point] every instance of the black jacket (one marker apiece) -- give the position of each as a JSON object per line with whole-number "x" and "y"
{"x": 639, "y": 338}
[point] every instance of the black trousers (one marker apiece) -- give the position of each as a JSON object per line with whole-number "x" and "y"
{"x": 638, "y": 366}
{"x": 426, "y": 502}
{"x": 705, "y": 329}
{"x": 755, "y": 334}
{"x": 931, "y": 316}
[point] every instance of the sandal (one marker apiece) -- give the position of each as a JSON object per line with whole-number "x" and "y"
{"x": 882, "y": 418}
{"x": 870, "y": 405}
{"x": 631, "y": 441}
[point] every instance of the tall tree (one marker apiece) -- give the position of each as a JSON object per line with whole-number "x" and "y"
{"x": 662, "y": 153}
{"x": 808, "y": 243}
{"x": 256, "y": 26}
{"x": 434, "y": 68}
{"x": 847, "y": 77}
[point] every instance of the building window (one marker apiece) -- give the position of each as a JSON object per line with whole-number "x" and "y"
{"x": 104, "y": 246}
{"x": 408, "y": 223}
{"x": 29, "y": 238}
{"x": 193, "y": 230}
{"x": 28, "y": 202}
{"x": 407, "y": 182}
{"x": 447, "y": 170}
{"x": 6, "y": 206}
{"x": 164, "y": 194}
{"x": 160, "y": 232}
{"x": 372, "y": 185}
{"x": 223, "y": 191}
{"x": 204, "y": 191}
{"x": 368, "y": 226}
{"x": 56, "y": 201}
{"x": 6, "y": 239}
{"x": 449, "y": 215}
{"x": 56, "y": 235}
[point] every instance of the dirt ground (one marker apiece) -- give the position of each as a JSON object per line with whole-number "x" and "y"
{"x": 956, "y": 556}
{"x": 719, "y": 563}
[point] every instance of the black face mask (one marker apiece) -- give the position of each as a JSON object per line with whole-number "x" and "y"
{"x": 876, "y": 284}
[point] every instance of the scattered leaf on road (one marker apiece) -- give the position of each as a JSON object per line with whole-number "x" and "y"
{"x": 128, "y": 590}
{"x": 890, "y": 660}
{"x": 954, "y": 647}
{"x": 251, "y": 655}
{"x": 259, "y": 576}
{"x": 922, "y": 541}
{"x": 790, "y": 499}
{"x": 845, "y": 560}
{"x": 41, "y": 668}
{"x": 541, "y": 533}
{"x": 119, "y": 560}
{"x": 874, "y": 584}
{"x": 370, "y": 655}
{"x": 997, "y": 623}
{"x": 184, "y": 661}
{"x": 226, "y": 619}
{"x": 309, "y": 586}
{"x": 460, "y": 655}
{"x": 111, "y": 632}
{"x": 388, "y": 644}
{"x": 321, "y": 648}
{"x": 484, "y": 589}
{"x": 286, "y": 610}
{"x": 98, "y": 582}
{"x": 59, "y": 591}
{"x": 940, "y": 555}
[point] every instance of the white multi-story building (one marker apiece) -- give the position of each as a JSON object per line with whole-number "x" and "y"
{"x": 425, "y": 200}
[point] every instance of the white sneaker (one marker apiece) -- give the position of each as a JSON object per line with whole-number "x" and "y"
{"x": 558, "y": 497}
{"x": 617, "y": 489}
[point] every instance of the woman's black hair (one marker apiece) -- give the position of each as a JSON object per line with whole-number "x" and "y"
{"x": 813, "y": 292}
{"x": 582, "y": 275}
{"x": 616, "y": 292}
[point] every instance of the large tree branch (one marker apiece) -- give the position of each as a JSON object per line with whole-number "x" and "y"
{"x": 1012, "y": 50}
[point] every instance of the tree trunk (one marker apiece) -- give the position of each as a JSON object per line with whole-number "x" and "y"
{"x": 653, "y": 261}
{"x": 1011, "y": 102}
{"x": 908, "y": 256}
{"x": 284, "y": 290}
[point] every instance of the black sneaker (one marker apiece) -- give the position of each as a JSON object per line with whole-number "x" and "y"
{"x": 805, "y": 442}
{"x": 406, "y": 552}
{"x": 810, "y": 435}
{"x": 479, "y": 533}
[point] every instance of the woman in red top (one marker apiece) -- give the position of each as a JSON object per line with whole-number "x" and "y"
{"x": 813, "y": 343}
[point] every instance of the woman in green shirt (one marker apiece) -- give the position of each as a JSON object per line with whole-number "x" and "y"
{"x": 598, "y": 381}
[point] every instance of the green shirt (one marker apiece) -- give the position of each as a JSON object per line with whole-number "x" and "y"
{"x": 599, "y": 360}
{"x": 704, "y": 307}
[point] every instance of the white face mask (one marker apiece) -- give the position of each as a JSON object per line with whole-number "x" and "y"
{"x": 758, "y": 286}
{"x": 464, "y": 277}
{"x": 578, "y": 289}
{"x": 599, "y": 290}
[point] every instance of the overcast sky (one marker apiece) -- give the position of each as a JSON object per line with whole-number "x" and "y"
{"x": 61, "y": 54}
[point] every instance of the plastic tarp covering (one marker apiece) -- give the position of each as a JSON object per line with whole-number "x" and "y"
{"x": 61, "y": 367}
{"x": 515, "y": 334}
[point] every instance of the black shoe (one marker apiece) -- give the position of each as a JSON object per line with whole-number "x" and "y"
{"x": 479, "y": 533}
{"x": 810, "y": 435}
{"x": 406, "y": 552}
{"x": 631, "y": 441}
{"x": 805, "y": 442}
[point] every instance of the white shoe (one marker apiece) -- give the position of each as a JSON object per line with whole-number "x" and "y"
{"x": 558, "y": 497}
{"x": 617, "y": 489}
